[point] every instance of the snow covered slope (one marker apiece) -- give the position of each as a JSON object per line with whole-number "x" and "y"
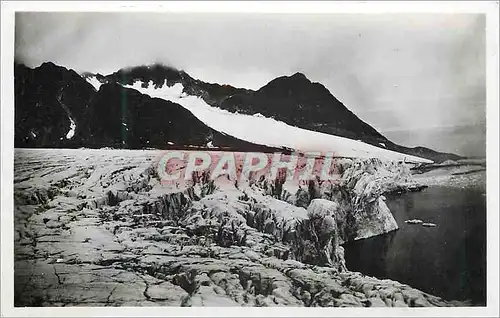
{"x": 267, "y": 131}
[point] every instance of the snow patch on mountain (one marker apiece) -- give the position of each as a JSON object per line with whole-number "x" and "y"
{"x": 268, "y": 131}
{"x": 72, "y": 128}
{"x": 92, "y": 80}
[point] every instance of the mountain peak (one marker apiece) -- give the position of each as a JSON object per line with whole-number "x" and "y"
{"x": 296, "y": 81}
{"x": 152, "y": 68}
{"x": 156, "y": 72}
{"x": 47, "y": 64}
{"x": 50, "y": 65}
{"x": 299, "y": 75}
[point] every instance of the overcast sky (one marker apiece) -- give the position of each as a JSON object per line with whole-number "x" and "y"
{"x": 417, "y": 78}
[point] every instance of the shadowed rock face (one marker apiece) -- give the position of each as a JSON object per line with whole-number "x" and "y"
{"x": 297, "y": 101}
{"x": 45, "y": 99}
{"x": 98, "y": 228}
{"x": 124, "y": 118}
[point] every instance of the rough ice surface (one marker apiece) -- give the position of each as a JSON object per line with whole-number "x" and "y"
{"x": 72, "y": 127}
{"x": 98, "y": 228}
{"x": 268, "y": 131}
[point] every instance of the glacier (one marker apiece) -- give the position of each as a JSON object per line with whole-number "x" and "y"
{"x": 96, "y": 227}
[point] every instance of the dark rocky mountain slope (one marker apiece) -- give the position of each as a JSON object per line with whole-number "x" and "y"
{"x": 48, "y": 96}
{"x": 45, "y": 99}
{"x": 297, "y": 101}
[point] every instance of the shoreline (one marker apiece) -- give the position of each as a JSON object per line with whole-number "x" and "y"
{"x": 413, "y": 209}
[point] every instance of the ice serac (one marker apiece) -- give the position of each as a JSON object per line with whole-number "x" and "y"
{"x": 367, "y": 181}
{"x": 357, "y": 191}
{"x": 320, "y": 232}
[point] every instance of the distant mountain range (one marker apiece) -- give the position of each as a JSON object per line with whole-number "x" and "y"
{"x": 56, "y": 107}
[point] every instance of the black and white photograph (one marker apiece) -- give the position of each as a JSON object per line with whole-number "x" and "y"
{"x": 315, "y": 158}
